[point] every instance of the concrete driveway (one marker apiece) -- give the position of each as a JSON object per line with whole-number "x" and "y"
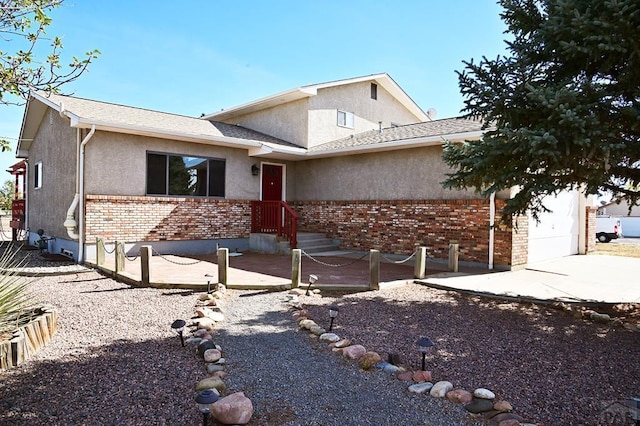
{"x": 582, "y": 279}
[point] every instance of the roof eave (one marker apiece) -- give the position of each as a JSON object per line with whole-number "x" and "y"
{"x": 263, "y": 103}
{"x": 394, "y": 145}
{"x": 152, "y": 132}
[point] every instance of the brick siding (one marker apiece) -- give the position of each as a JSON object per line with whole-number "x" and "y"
{"x": 136, "y": 219}
{"x": 399, "y": 226}
{"x": 590, "y": 241}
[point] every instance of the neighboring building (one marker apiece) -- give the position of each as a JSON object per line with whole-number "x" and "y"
{"x": 629, "y": 218}
{"x": 356, "y": 159}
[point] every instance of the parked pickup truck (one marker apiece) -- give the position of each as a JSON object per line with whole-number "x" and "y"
{"x": 608, "y": 228}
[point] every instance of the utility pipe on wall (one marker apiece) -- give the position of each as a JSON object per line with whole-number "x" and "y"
{"x": 492, "y": 221}
{"x": 70, "y": 223}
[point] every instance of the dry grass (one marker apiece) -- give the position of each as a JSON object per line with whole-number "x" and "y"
{"x": 617, "y": 249}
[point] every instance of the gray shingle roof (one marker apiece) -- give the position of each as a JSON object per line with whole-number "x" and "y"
{"x": 127, "y": 116}
{"x": 444, "y": 127}
{"x": 235, "y": 131}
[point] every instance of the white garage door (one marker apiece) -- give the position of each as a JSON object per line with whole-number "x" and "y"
{"x": 557, "y": 233}
{"x": 630, "y": 226}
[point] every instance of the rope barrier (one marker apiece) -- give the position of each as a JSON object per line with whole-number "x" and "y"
{"x": 4, "y": 235}
{"x": 132, "y": 258}
{"x": 334, "y": 265}
{"x": 397, "y": 262}
{"x": 107, "y": 251}
{"x": 195, "y": 262}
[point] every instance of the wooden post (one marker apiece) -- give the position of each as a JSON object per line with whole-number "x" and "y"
{"x": 119, "y": 256}
{"x": 420, "y": 267}
{"x": 145, "y": 264}
{"x": 223, "y": 265}
{"x": 99, "y": 251}
{"x": 374, "y": 270}
{"x": 453, "y": 257}
{"x": 296, "y": 267}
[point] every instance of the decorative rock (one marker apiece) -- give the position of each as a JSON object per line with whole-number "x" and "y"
{"x": 440, "y": 389}
{"x": 204, "y": 346}
{"x": 484, "y": 393}
{"x": 422, "y": 376}
{"x": 193, "y": 341}
{"x": 220, "y": 374}
{"x": 343, "y": 343}
{"x": 392, "y": 369}
{"x": 337, "y": 350}
{"x": 217, "y": 295}
{"x": 405, "y": 376}
{"x": 200, "y": 312}
{"x": 205, "y": 297}
{"x": 212, "y": 355}
{"x": 368, "y": 360}
{"x": 421, "y": 387}
{"x": 509, "y": 422}
{"x": 459, "y": 396}
{"x": 212, "y": 302}
{"x": 200, "y": 333}
{"x": 221, "y": 288}
{"x": 503, "y": 406}
{"x": 329, "y": 337}
{"x": 235, "y": 409}
{"x": 211, "y": 383}
{"x": 295, "y": 316}
{"x": 212, "y": 368}
{"x": 296, "y": 292}
{"x": 317, "y": 330}
{"x": 221, "y": 361}
{"x": 479, "y": 405}
{"x": 354, "y": 352}
{"x": 503, "y": 417}
{"x": 316, "y": 291}
{"x": 205, "y": 323}
{"x": 216, "y": 316}
{"x": 600, "y": 318}
{"x": 307, "y": 323}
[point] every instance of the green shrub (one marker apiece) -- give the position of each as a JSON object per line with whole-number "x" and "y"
{"x": 16, "y": 301}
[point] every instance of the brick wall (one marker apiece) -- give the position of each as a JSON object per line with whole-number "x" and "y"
{"x": 135, "y": 219}
{"x": 590, "y": 242}
{"x": 399, "y": 226}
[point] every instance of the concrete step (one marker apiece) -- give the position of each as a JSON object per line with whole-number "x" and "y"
{"x": 310, "y": 242}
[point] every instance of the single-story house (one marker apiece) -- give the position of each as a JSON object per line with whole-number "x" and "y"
{"x": 629, "y": 218}
{"x": 355, "y": 159}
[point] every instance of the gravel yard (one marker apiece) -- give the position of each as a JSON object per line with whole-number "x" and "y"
{"x": 553, "y": 368}
{"x": 114, "y": 359}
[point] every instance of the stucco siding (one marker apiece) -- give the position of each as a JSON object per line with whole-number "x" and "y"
{"x": 287, "y": 122}
{"x": 116, "y": 164}
{"x": 411, "y": 174}
{"x": 621, "y": 209}
{"x": 55, "y": 146}
{"x": 354, "y": 98}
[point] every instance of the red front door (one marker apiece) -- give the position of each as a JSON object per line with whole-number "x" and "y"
{"x": 271, "y": 182}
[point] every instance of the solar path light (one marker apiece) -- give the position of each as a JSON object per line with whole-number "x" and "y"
{"x": 178, "y": 326}
{"x": 333, "y": 313}
{"x": 205, "y": 399}
{"x": 312, "y": 280}
{"x": 425, "y": 344}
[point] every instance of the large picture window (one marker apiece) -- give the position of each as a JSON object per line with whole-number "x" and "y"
{"x": 182, "y": 175}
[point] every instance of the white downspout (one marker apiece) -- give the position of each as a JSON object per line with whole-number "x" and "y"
{"x": 70, "y": 222}
{"x": 492, "y": 221}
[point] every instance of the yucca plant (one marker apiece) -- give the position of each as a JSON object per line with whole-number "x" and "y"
{"x": 16, "y": 301}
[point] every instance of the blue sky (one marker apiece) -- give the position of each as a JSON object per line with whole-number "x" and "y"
{"x": 194, "y": 57}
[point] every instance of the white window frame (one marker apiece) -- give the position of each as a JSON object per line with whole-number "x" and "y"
{"x": 346, "y": 119}
{"x": 37, "y": 175}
